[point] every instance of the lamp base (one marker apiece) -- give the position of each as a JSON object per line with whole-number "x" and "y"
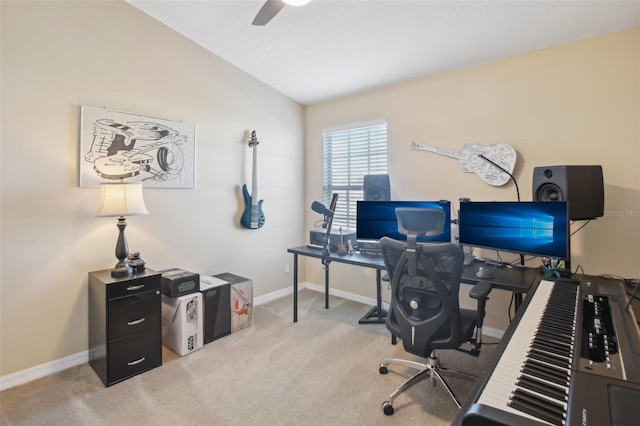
{"x": 122, "y": 270}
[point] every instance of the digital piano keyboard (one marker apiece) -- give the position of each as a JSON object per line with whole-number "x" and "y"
{"x": 570, "y": 357}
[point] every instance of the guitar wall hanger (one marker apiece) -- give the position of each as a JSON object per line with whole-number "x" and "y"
{"x": 488, "y": 162}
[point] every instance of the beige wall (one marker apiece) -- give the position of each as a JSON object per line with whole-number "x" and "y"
{"x": 573, "y": 104}
{"x": 57, "y": 56}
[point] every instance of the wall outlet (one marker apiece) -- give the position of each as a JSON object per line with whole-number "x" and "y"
{"x": 286, "y": 268}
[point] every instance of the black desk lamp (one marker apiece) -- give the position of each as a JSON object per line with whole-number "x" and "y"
{"x": 120, "y": 200}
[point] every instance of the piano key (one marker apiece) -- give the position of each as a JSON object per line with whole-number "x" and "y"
{"x": 502, "y": 383}
{"x": 557, "y": 392}
{"x": 552, "y": 348}
{"x": 561, "y": 362}
{"x": 538, "y": 411}
{"x": 550, "y": 375}
{"x": 531, "y": 398}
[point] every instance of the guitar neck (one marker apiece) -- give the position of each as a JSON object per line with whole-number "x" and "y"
{"x": 254, "y": 176}
{"x": 438, "y": 150}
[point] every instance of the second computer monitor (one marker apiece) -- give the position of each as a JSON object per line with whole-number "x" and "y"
{"x": 539, "y": 228}
{"x": 377, "y": 219}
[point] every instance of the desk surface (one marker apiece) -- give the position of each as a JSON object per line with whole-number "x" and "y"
{"x": 518, "y": 280}
{"x": 357, "y": 258}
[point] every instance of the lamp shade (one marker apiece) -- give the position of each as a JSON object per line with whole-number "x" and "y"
{"x": 122, "y": 199}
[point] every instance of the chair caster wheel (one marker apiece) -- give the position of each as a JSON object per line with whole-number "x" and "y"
{"x": 383, "y": 369}
{"x": 387, "y": 408}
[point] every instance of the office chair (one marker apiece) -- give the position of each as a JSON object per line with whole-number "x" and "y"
{"x": 424, "y": 311}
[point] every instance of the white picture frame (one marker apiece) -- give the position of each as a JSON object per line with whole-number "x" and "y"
{"x": 117, "y": 145}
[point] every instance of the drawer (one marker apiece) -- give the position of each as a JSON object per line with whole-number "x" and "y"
{"x": 132, "y": 314}
{"x": 134, "y": 354}
{"x": 133, "y": 286}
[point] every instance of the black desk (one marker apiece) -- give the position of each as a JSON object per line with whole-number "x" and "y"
{"x": 517, "y": 280}
{"x": 376, "y": 315}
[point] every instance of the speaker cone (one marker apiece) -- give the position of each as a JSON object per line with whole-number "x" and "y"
{"x": 376, "y": 188}
{"x": 549, "y": 192}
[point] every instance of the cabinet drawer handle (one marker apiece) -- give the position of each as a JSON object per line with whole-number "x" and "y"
{"x": 135, "y": 287}
{"x": 137, "y": 361}
{"x": 136, "y": 322}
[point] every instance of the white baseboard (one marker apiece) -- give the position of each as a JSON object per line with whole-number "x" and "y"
{"x": 274, "y": 295}
{"x": 345, "y": 295}
{"x": 42, "y": 370}
{"x": 492, "y": 332}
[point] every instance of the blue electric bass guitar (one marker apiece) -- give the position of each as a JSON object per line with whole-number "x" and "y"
{"x": 252, "y": 217}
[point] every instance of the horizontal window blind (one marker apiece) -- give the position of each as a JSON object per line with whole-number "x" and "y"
{"x": 349, "y": 154}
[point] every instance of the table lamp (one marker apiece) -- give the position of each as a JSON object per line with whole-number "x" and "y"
{"x": 120, "y": 200}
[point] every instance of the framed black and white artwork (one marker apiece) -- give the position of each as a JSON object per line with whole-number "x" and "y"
{"x": 116, "y": 145}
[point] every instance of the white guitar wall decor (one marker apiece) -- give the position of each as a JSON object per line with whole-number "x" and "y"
{"x": 473, "y": 158}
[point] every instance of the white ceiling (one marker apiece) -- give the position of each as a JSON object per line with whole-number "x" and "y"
{"x": 334, "y": 48}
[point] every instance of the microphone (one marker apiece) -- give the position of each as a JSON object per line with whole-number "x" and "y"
{"x": 320, "y": 208}
{"x": 503, "y": 170}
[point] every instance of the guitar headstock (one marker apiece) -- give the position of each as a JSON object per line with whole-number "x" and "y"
{"x": 254, "y": 139}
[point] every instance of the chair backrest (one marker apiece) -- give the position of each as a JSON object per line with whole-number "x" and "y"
{"x": 425, "y": 279}
{"x": 417, "y": 222}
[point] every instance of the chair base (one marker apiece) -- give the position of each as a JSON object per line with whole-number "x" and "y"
{"x": 430, "y": 370}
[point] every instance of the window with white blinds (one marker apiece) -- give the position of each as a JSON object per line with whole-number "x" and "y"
{"x": 350, "y": 153}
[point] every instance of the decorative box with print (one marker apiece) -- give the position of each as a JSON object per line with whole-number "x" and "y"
{"x": 182, "y": 323}
{"x": 241, "y": 300}
{"x": 178, "y": 282}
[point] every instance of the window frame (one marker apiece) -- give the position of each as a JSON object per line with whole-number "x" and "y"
{"x": 348, "y": 154}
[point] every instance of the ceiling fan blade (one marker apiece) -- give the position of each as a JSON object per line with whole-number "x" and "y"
{"x": 267, "y": 12}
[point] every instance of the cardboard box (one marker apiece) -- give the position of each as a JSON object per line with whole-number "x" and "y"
{"x": 241, "y": 300}
{"x": 178, "y": 282}
{"x": 216, "y": 307}
{"x": 182, "y": 323}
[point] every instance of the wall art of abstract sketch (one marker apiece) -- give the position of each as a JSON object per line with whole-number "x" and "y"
{"x": 116, "y": 145}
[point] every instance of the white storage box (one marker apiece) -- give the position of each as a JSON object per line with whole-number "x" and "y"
{"x": 182, "y": 323}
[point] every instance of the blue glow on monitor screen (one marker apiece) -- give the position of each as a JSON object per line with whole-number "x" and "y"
{"x": 377, "y": 219}
{"x": 536, "y": 227}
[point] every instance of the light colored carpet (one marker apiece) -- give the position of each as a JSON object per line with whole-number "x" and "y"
{"x": 322, "y": 370}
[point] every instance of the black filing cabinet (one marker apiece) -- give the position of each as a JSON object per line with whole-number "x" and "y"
{"x": 125, "y": 327}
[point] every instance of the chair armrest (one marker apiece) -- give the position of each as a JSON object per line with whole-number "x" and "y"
{"x": 481, "y": 290}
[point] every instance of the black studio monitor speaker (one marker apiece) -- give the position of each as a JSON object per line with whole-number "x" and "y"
{"x": 581, "y": 186}
{"x": 376, "y": 188}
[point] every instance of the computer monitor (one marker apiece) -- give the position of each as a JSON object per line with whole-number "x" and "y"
{"x": 539, "y": 228}
{"x": 377, "y": 219}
